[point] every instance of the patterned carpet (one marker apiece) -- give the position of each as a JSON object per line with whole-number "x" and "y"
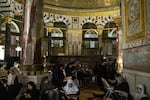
{"x": 86, "y": 92}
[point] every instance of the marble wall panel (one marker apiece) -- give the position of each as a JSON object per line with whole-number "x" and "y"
{"x": 147, "y": 41}
{"x": 136, "y": 77}
{"x": 129, "y": 77}
{"x": 137, "y": 58}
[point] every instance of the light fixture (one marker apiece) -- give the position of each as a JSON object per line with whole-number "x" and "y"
{"x": 18, "y": 48}
{"x": 120, "y": 65}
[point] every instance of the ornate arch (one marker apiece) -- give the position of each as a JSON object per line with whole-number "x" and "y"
{"x": 13, "y": 23}
{"x": 52, "y": 18}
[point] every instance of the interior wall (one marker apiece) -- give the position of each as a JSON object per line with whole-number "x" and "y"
{"x": 136, "y": 51}
{"x": 137, "y": 77}
{"x": 74, "y": 42}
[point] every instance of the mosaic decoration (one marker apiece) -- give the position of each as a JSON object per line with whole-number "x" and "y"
{"x": 75, "y": 20}
{"x": 134, "y": 14}
{"x": 18, "y": 8}
{"x": 6, "y": 7}
{"x": 51, "y": 18}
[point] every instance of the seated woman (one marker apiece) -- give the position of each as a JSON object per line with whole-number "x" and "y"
{"x": 48, "y": 91}
{"x": 122, "y": 85}
{"x": 120, "y": 91}
{"x": 71, "y": 90}
{"x": 3, "y": 90}
{"x": 31, "y": 93}
{"x": 140, "y": 92}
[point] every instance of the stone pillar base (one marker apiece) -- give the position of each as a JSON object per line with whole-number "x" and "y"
{"x": 34, "y": 78}
{"x": 35, "y": 69}
{"x": 33, "y": 73}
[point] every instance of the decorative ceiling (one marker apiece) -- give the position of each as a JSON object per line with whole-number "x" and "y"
{"x": 82, "y": 4}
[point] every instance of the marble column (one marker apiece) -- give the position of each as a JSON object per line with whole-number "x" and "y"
{"x": 7, "y": 42}
{"x": 119, "y": 44}
{"x": 32, "y": 29}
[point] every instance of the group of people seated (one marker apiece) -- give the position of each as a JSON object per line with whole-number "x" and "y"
{"x": 48, "y": 91}
{"x": 113, "y": 84}
{"x": 59, "y": 85}
{"x": 11, "y": 84}
{"x": 62, "y": 85}
{"x": 119, "y": 90}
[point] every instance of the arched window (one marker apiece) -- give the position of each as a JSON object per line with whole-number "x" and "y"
{"x": 14, "y": 37}
{"x": 109, "y": 33}
{"x": 112, "y": 33}
{"x": 90, "y": 39}
{"x": 109, "y": 38}
{"x": 58, "y": 39}
{"x": 14, "y": 27}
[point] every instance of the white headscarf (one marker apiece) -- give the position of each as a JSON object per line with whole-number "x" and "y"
{"x": 72, "y": 89}
{"x": 142, "y": 93}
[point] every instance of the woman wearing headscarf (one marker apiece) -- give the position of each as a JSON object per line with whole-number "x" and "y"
{"x": 140, "y": 92}
{"x": 58, "y": 77}
{"x": 122, "y": 85}
{"x": 32, "y": 93}
{"x": 69, "y": 69}
{"x": 70, "y": 87}
{"x": 3, "y": 90}
{"x": 14, "y": 82}
{"x": 48, "y": 91}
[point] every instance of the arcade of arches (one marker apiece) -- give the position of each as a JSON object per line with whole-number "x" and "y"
{"x": 46, "y": 32}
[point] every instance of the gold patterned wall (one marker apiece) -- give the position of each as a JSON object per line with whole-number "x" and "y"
{"x": 82, "y": 4}
{"x": 135, "y": 27}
